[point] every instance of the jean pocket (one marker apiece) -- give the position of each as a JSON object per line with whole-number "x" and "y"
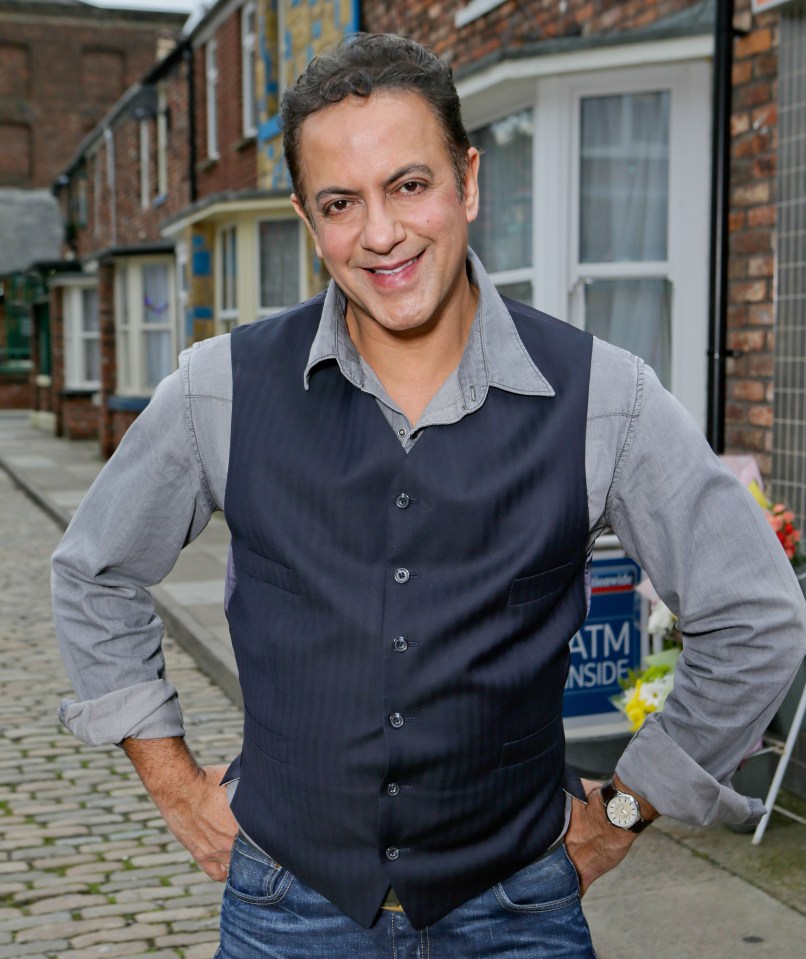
{"x": 254, "y": 877}
{"x": 549, "y": 883}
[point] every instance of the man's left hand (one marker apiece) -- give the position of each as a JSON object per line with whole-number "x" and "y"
{"x": 594, "y": 845}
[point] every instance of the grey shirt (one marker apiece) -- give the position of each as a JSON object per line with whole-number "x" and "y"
{"x": 651, "y": 477}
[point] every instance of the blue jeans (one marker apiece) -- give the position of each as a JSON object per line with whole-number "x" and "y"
{"x": 535, "y": 914}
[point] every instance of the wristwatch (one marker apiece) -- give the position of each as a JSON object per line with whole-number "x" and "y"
{"x": 622, "y": 809}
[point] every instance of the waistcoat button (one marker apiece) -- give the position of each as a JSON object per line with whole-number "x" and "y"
{"x": 396, "y": 720}
{"x": 399, "y": 643}
{"x": 403, "y": 501}
{"x": 392, "y": 852}
{"x": 401, "y": 575}
{"x": 392, "y": 789}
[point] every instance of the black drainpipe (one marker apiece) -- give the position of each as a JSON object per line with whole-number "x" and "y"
{"x": 192, "y": 184}
{"x": 718, "y": 352}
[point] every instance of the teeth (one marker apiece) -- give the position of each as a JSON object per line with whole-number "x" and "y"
{"x": 397, "y": 269}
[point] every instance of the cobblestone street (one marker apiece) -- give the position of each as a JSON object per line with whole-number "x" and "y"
{"x": 87, "y": 868}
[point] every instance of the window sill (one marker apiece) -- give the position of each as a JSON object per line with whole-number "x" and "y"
{"x": 129, "y": 404}
{"x": 246, "y": 142}
{"x": 203, "y": 165}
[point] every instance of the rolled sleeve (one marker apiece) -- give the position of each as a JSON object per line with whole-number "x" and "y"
{"x": 149, "y": 501}
{"x": 713, "y": 559}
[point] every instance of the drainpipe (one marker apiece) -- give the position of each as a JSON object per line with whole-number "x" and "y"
{"x": 718, "y": 352}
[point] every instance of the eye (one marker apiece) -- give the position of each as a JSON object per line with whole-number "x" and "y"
{"x": 411, "y": 187}
{"x": 335, "y": 207}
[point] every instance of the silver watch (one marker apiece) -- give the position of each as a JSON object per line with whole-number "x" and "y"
{"x": 622, "y": 809}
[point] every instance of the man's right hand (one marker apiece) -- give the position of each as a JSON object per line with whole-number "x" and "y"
{"x": 190, "y": 799}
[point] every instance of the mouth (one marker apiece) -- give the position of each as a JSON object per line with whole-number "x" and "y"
{"x": 394, "y": 270}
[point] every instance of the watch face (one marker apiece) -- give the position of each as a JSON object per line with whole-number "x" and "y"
{"x": 622, "y": 811}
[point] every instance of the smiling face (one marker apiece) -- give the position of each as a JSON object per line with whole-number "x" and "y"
{"x": 385, "y": 213}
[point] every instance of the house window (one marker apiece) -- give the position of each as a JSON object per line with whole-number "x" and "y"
{"x": 228, "y": 260}
{"x": 162, "y": 143}
{"x": 146, "y": 326}
{"x": 623, "y": 220}
{"x": 502, "y": 232}
{"x": 210, "y": 55}
{"x": 621, "y": 206}
{"x": 82, "y": 346}
{"x": 280, "y": 264}
{"x": 145, "y": 163}
{"x": 248, "y": 65}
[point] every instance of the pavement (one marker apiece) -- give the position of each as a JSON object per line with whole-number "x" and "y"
{"x": 87, "y": 868}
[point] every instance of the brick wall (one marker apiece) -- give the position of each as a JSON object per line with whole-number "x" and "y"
{"x": 512, "y": 25}
{"x": 236, "y": 165}
{"x": 119, "y": 218}
{"x": 57, "y": 371}
{"x": 751, "y": 314}
{"x": 61, "y": 69}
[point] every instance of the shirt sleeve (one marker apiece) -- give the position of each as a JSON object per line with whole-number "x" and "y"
{"x": 714, "y": 560}
{"x": 148, "y": 501}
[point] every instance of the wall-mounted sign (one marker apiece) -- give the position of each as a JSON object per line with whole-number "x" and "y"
{"x": 610, "y": 642}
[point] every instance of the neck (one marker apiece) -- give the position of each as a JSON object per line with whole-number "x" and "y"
{"x": 413, "y": 365}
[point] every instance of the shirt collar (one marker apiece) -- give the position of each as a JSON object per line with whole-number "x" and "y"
{"x": 494, "y": 354}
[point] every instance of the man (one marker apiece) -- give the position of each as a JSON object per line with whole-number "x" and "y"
{"x": 414, "y": 472}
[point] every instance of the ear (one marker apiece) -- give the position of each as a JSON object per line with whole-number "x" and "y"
{"x": 299, "y": 209}
{"x": 471, "y": 198}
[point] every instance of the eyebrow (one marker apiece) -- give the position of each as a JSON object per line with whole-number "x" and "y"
{"x": 413, "y": 169}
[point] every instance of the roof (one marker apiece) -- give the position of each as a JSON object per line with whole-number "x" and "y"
{"x": 30, "y": 229}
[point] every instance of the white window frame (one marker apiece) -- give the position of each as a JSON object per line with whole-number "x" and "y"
{"x": 129, "y": 326}
{"x": 162, "y": 142}
{"x": 524, "y": 274}
{"x": 227, "y": 285}
{"x": 561, "y": 278}
{"x": 145, "y": 164}
{"x": 211, "y": 74}
{"x": 249, "y": 67}
{"x": 266, "y": 309}
{"x": 75, "y": 336}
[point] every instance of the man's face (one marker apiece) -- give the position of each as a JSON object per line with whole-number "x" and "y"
{"x": 385, "y": 212}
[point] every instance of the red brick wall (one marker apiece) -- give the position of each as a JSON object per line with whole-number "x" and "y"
{"x": 61, "y": 69}
{"x": 512, "y": 24}
{"x": 15, "y": 391}
{"x": 236, "y": 166}
{"x": 749, "y": 407}
{"x": 134, "y": 224}
{"x": 79, "y": 418}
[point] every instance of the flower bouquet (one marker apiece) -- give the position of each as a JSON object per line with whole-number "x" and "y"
{"x": 645, "y": 690}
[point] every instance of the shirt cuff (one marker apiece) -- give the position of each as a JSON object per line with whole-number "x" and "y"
{"x": 148, "y": 710}
{"x": 655, "y": 767}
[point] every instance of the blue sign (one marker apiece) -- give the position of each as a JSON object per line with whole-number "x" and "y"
{"x": 609, "y": 642}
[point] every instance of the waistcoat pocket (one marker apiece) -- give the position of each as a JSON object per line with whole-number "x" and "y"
{"x": 267, "y": 570}
{"x": 531, "y": 746}
{"x": 527, "y": 589}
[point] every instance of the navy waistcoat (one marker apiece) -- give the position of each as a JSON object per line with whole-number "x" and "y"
{"x": 401, "y": 621}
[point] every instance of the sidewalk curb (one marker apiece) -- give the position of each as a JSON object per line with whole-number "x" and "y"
{"x": 190, "y": 635}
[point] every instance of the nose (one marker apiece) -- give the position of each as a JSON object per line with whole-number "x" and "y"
{"x": 382, "y": 229}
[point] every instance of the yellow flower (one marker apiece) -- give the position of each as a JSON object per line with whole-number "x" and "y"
{"x": 635, "y": 708}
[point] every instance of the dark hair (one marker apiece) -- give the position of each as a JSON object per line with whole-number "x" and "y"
{"x": 361, "y": 64}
